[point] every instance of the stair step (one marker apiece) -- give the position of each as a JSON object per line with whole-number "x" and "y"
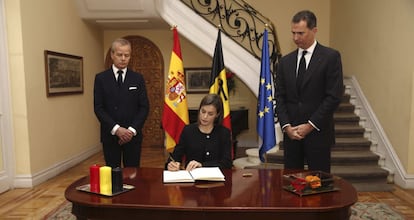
{"x": 346, "y": 98}
{"x": 367, "y": 174}
{"x": 346, "y": 118}
{"x": 347, "y": 144}
{"x": 345, "y": 107}
{"x": 343, "y": 158}
{"x": 354, "y": 158}
{"x": 352, "y": 144}
{"x": 349, "y": 131}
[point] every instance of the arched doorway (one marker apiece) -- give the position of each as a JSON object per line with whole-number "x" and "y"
{"x": 146, "y": 58}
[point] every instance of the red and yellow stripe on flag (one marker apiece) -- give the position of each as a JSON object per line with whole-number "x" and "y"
{"x": 218, "y": 83}
{"x": 175, "y": 114}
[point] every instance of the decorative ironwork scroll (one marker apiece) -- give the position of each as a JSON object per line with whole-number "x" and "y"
{"x": 242, "y": 23}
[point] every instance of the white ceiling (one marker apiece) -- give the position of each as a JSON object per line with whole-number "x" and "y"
{"x": 158, "y": 14}
{"x": 121, "y": 14}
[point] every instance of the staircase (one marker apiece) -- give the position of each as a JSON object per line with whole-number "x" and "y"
{"x": 203, "y": 34}
{"x": 351, "y": 158}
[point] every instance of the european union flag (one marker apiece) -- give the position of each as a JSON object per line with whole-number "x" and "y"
{"x": 265, "y": 116}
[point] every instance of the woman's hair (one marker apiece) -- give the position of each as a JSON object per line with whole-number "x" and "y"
{"x": 215, "y": 100}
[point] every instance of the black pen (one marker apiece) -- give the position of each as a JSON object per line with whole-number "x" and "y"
{"x": 171, "y": 158}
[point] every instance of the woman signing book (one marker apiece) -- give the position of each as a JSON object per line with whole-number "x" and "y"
{"x": 205, "y": 143}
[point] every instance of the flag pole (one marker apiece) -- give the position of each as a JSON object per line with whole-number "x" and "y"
{"x": 266, "y": 28}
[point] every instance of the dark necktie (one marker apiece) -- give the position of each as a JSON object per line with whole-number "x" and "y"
{"x": 301, "y": 71}
{"x": 119, "y": 79}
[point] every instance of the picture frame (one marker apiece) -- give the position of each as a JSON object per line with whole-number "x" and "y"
{"x": 197, "y": 80}
{"x": 64, "y": 73}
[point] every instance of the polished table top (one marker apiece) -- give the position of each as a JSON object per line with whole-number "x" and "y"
{"x": 260, "y": 191}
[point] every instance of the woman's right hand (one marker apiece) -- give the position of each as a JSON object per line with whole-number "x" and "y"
{"x": 173, "y": 166}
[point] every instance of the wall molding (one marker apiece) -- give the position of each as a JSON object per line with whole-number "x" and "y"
{"x": 6, "y": 126}
{"x": 383, "y": 146}
{"x": 28, "y": 181}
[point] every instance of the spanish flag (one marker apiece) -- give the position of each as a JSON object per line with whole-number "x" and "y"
{"x": 218, "y": 82}
{"x": 175, "y": 114}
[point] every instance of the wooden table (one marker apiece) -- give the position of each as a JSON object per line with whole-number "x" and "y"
{"x": 259, "y": 196}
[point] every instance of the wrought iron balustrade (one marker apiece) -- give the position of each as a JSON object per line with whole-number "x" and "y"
{"x": 242, "y": 23}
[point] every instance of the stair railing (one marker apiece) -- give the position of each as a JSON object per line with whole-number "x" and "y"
{"x": 242, "y": 23}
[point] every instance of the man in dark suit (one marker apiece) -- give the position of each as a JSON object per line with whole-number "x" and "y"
{"x": 121, "y": 106}
{"x": 307, "y": 94}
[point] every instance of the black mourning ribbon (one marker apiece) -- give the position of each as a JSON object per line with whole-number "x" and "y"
{"x": 221, "y": 90}
{"x": 301, "y": 71}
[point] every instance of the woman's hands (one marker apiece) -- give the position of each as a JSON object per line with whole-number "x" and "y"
{"x": 174, "y": 166}
{"x": 193, "y": 164}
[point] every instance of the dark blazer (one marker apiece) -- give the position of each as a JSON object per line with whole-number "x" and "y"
{"x": 210, "y": 150}
{"x": 127, "y": 106}
{"x": 320, "y": 93}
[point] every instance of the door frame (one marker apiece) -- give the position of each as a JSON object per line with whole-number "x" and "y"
{"x": 6, "y": 128}
{"x": 148, "y": 126}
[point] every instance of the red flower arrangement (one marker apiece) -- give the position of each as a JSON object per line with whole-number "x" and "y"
{"x": 231, "y": 84}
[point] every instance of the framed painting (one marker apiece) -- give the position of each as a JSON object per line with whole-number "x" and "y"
{"x": 197, "y": 80}
{"x": 64, "y": 73}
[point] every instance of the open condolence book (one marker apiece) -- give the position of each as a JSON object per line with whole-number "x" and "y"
{"x": 202, "y": 173}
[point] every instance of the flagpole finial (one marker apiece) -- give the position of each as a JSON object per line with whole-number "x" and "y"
{"x": 266, "y": 26}
{"x": 173, "y": 27}
{"x": 219, "y": 26}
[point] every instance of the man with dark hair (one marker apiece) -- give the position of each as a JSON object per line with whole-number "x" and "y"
{"x": 309, "y": 88}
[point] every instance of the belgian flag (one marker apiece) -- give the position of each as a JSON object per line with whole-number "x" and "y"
{"x": 218, "y": 82}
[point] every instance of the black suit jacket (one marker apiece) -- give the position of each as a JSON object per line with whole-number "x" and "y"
{"x": 127, "y": 106}
{"x": 320, "y": 93}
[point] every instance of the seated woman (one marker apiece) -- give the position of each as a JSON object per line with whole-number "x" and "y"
{"x": 205, "y": 143}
